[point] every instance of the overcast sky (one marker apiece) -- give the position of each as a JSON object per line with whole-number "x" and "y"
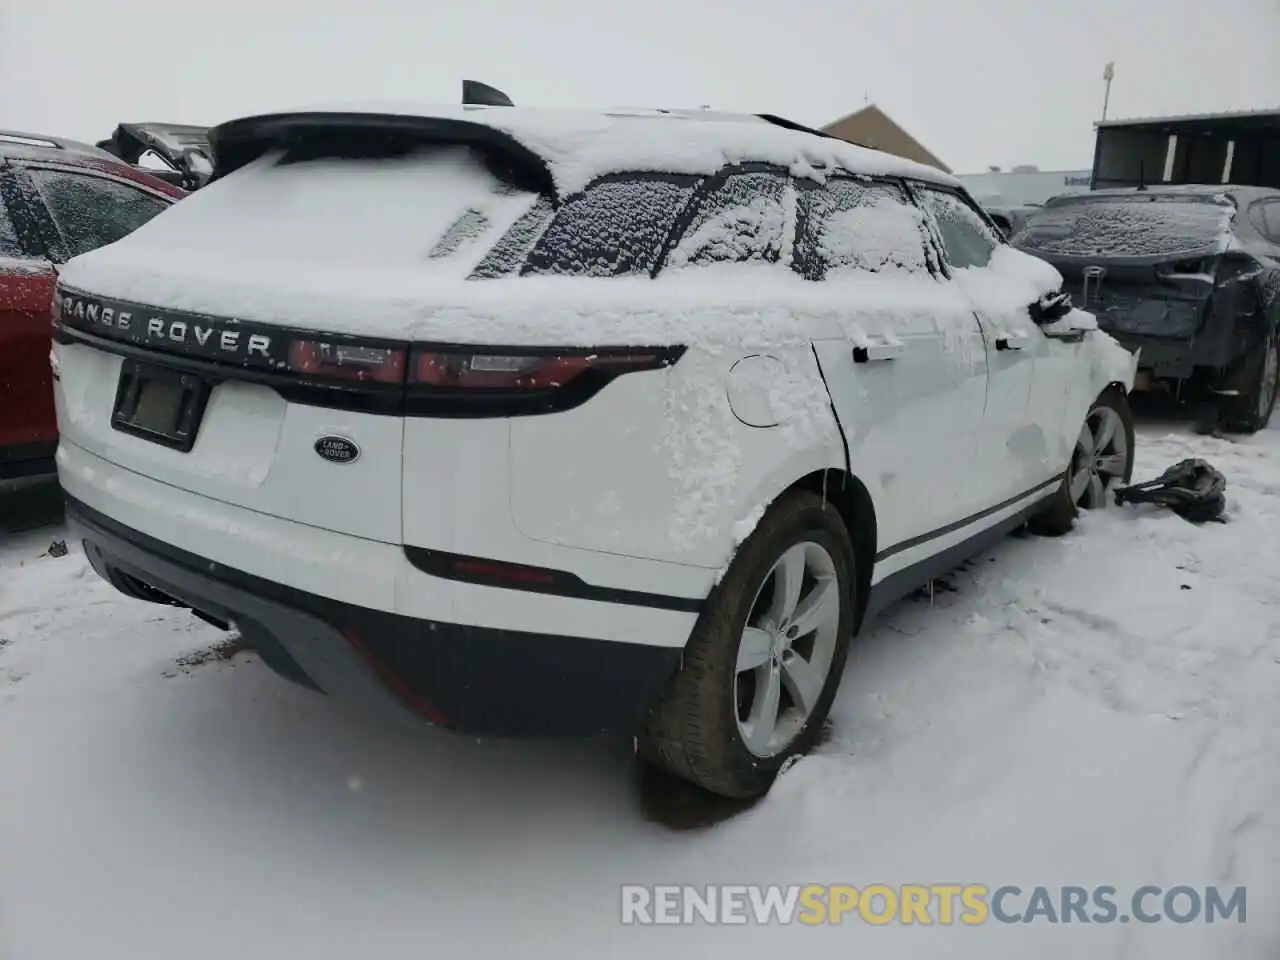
{"x": 978, "y": 82}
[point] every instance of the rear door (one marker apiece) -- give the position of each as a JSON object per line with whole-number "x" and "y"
{"x": 27, "y": 427}
{"x": 908, "y": 381}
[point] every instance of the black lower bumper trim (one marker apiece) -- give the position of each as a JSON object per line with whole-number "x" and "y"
{"x": 28, "y": 460}
{"x": 477, "y": 680}
{"x": 557, "y": 583}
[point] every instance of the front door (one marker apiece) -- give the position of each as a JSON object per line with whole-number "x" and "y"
{"x": 1020, "y": 451}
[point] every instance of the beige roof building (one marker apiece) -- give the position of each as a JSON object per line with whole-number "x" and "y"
{"x": 871, "y": 127}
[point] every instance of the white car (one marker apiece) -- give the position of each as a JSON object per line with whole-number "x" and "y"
{"x": 545, "y": 423}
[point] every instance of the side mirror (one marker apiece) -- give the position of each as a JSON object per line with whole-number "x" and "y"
{"x": 1051, "y": 308}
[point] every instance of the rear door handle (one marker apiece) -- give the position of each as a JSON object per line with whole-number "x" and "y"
{"x": 877, "y": 352}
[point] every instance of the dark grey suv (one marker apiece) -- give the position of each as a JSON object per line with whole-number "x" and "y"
{"x": 1189, "y": 274}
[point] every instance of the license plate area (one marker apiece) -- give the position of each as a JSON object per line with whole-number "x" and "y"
{"x": 161, "y": 405}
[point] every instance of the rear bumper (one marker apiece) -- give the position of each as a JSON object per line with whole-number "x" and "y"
{"x": 477, "y": 680}
{"x": 1162, "y": 358}
{"x": 379, "y": 575}
{"x": 1210, "y": 352}
{"x": 28, "y": 460}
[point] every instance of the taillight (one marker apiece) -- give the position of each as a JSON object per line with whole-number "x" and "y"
{"x": 347, "y": 361}
{"x": 473, "y": 381}
{"x": 465, "y": 370}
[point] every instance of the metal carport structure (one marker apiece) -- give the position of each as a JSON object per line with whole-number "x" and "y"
{"x": 1241, "y": 147}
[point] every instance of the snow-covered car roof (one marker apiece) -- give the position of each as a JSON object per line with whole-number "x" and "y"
{"x": 578, "y": 146}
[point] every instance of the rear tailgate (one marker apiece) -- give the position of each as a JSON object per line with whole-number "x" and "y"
{"x": 298, "y": 424}
{"x": 250, "y": 446}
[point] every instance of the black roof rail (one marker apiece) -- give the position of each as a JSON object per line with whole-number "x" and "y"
{"x": 477, "y": 94}
{"x": 783, "y": 122}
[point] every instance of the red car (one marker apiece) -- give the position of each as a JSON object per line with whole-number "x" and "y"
{"x": 58, "y": 199}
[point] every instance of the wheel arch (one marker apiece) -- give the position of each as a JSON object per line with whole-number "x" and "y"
{"x": 852, "y": 501}
{"x": 1115, "y": 386}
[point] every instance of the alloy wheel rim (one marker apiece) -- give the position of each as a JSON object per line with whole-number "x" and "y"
{"x": 1100, "y": 458}
{"x": 787, "y": 648}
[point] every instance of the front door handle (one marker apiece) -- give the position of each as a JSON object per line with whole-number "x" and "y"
{"x": 1012, "y": 341}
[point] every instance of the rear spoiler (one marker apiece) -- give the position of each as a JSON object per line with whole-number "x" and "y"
{"x": 240, "y": 142}
{"x": 184, "y": 147}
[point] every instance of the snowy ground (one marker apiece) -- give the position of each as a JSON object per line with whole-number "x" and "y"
{"x": 1103, "y": 709}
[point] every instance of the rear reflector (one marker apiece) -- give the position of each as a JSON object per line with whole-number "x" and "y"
{"x": 394, "y": 680}
{"x": 482, "y": 571}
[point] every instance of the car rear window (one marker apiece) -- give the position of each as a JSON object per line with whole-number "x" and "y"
{"x": 91, "y": 211}
{"x": 439, "y": 207}
{"x": 1131, "y": 226}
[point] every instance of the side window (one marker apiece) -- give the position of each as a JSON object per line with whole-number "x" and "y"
{"x": 615, "y": 227}
{"x": 744, "y": 220}
{"x": 1258, "y": 217}
{"x": 9, "y": 245}
{"x": 91, "y": 212}
{"x": 507, "y": 255}
{"x": 968, "y": 241}
{"x": 850, "y": 226}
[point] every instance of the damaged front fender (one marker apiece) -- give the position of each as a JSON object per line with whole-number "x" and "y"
{"x": 1110, "y": 363}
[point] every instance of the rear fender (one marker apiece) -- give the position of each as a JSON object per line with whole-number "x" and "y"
{"x": 809, "y": 441}
{"x": 778, "y": 481}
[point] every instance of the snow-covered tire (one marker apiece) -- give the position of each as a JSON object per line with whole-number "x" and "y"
{"x": 698, "y": 730}
{"x": 1093, "y": 473}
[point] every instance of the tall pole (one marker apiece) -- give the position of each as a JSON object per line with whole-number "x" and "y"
{"x": 1108, "y": 73}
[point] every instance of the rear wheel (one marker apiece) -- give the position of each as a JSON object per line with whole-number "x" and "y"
{"x": 764, "y": 662}
{"x": 1251, "y": 410}
{"x": 1101, "y": 461}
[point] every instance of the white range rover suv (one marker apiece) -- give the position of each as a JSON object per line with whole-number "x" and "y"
{"x": 546, "y": 423}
